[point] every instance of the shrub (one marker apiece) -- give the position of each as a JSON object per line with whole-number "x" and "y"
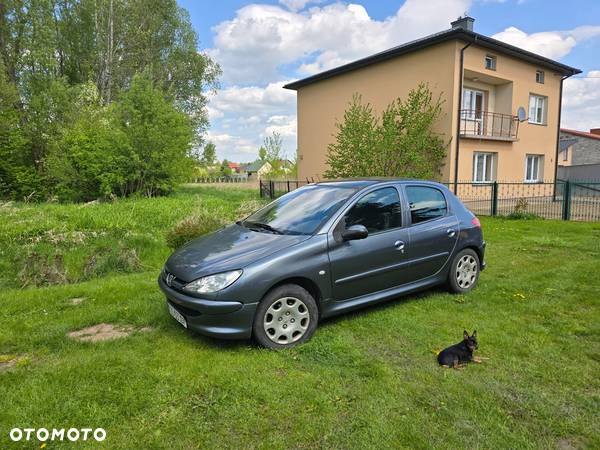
{"x": 520, "y": 211}
{"x": 399, "y": 143}
{"x": 192, "y": 227}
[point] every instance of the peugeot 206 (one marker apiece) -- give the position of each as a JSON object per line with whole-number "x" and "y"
{"x": 322, "y": 250}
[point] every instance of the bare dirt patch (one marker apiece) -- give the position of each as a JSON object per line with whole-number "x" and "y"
{"x": 7, "y": 362}
{"x": 76, "y": 300}
{"x": 105, "y": 332}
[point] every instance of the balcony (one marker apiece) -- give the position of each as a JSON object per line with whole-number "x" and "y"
{"x": 476, "y": 124}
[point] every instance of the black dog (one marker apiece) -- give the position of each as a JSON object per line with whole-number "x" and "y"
{"x": 459, "y": 354}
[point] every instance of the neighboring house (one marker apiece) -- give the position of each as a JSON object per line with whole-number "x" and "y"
{"x": 483, "y": 83}
{"x": 579, "y": 147}
{"x": 235, "y": 167}
{"x": 256, "y": 170}
{"x": 579, "y": 155}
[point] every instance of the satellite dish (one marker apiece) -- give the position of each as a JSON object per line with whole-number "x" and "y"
{"x": 521, "y": 114}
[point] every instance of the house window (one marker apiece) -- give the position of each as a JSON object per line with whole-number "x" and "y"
{"x": 566, "y": 154}
{"x": 539, "y": 76}
{"x": 484, "y": 167}
{"x": 490, "y": 62}
{"x": 533, "y": 168}
{"x": 472, "y": 103}
{"x": 537, "y": 109}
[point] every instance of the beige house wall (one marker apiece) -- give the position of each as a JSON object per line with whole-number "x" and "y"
{"x": 322, "y": 104}
{"x": 532, "y": 138}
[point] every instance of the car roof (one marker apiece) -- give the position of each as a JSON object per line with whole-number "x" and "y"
{"x": 361, "y": 183}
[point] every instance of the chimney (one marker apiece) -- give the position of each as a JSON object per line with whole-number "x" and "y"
{"x": 595, "y": 131}
{"x": 466, "y": 23}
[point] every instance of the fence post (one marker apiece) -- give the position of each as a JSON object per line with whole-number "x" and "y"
{"x": 567, "y": 201}
{"x": 495, "y": 198}
{"x": 272, "y": 189}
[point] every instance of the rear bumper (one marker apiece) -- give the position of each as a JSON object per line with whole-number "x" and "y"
{"x": 219, "y": 319}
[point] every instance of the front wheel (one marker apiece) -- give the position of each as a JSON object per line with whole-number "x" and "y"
{"x": 464, "y": 271}
{"x": 286, "y": 317}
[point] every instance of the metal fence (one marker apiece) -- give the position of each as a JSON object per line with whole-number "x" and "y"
{"x": 561, "y": 200}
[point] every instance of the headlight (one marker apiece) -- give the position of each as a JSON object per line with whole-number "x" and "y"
{"x": 213, "y": 283}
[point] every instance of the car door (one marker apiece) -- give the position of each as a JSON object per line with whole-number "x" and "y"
{"x": 433, "y": 230}
{"x": 375, "y": 263}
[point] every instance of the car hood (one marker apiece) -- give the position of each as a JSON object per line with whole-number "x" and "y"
{"x": 230, "y": 248}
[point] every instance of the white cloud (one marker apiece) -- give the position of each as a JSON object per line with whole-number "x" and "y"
{"x": 297, "y": 5}
{"x": 552, "y": 44}
{"x": 253, "y": 45}
{"x": 581, "y": 102}
{"x": 244, "y": 116}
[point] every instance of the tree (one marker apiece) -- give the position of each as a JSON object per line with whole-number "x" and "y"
{"x": 209, "y": 154}
{"x": 262, "y": 153}
{"x": 50, "y": 49}
{"x": 160, "y": 137}
{"x": 400, "y": 143}
{"x": 273, "y": 146}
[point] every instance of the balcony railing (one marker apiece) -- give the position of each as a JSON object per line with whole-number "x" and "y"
{"x": 488, "y": 125}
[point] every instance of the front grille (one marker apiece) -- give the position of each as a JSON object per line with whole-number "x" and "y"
{"x": 185, "y": 311}
{"x": 172, "y": 281}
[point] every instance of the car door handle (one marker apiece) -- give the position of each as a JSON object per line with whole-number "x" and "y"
{"x": 399, "y": 245}
{"x": 451, "y": 232}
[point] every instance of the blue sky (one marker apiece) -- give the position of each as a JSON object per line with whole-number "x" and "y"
{"x": 260, "y": 45}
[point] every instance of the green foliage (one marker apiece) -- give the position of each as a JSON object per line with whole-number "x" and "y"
{"x": 209, "y": 154}
{"x": 262, "y": 153}
{"x": 160, "y": 138}
{"x": 192, "y": 227}
{"x": 50, "y": 51}
{"x": 140, "y": 144}
{"x": 520, "y": 211}
{"x": 401, "y": 142}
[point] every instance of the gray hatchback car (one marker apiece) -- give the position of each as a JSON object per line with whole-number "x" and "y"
{"x": 322, "y": 250}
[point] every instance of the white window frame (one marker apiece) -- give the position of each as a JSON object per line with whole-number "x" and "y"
{"x": 540, "y": 76}
{"x": 470, "y": 96}
{"x": 493, "y": 60}
{"x": 537, "y": 109}
{"x": 537, "y": 165}
{"x": 485, "y": 176}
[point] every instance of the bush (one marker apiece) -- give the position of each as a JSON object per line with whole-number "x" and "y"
{"x": 520, "y": 211}
{"x": 399, "y": 143}
{"x": 192, "y": 227}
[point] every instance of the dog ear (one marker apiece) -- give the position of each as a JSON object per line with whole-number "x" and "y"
{"x": 465, "y": 334}
{"x": 474, "y": 334}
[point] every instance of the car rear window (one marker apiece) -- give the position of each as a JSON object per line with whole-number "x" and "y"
{"x": 426, "y": 203}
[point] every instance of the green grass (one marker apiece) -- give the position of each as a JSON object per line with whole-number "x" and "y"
{"x": 366, "y": 380}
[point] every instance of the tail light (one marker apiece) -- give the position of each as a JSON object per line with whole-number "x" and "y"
{"x": 476, "y": 223}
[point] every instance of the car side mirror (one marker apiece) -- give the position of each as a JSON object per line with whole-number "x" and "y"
{"x": 355, "y": 232}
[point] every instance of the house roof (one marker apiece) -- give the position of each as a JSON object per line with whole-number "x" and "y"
{"x": 254, "y": 166}
{"x": 442, "y": 36}
{"x": 580, "y": 133}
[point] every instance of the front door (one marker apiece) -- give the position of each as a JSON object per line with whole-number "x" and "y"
{"x": 473, "y": 106}
{"x": 433, "y": 230}
{"x": 375, "y": 263}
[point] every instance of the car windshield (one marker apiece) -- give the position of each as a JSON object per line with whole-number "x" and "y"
{"x": 300, "y": 211}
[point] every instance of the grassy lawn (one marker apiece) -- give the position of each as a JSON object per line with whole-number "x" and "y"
{"x": 366, "y": 380}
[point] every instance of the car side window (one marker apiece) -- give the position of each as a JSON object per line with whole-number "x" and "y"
{"x": 379, "y": 210}
{"x": 426, "y": 203}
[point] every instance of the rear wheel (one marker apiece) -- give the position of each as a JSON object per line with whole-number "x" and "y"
{"x": 286, "y": 317}
{"x": 464, "y": 271}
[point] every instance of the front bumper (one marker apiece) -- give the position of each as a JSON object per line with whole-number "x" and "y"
{"x": 220, "y": 319}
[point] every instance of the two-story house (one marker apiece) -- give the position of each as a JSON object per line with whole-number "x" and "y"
{"x": 501, "y": 109}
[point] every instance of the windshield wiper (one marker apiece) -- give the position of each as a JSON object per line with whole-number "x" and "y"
{"x": 262, "y": 226}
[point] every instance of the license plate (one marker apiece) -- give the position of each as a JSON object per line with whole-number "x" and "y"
{"x": 177, "y": 316}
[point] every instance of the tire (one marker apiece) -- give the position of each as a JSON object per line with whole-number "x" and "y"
{"x": 464, "y": 271}
{"x": 287, "y": 316}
